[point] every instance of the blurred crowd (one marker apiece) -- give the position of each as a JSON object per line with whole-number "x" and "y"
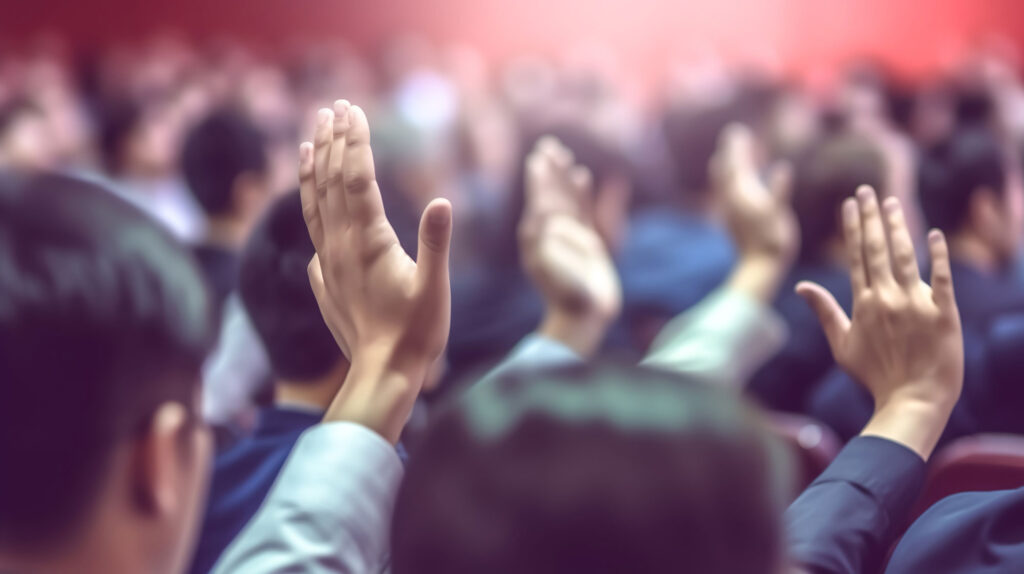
{"x": 159, "y": 121}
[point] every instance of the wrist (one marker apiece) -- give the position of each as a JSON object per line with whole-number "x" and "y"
{"x": 581, "y": 332}
{"x": 759, "y": 275}
{"x": 379, "y": 391}
{"x": 915, "y": 422}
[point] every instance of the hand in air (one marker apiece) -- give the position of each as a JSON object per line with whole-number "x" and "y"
{"x": 389, "y": 314}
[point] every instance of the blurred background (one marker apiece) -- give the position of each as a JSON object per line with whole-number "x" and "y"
{"x": 456, "y": 90}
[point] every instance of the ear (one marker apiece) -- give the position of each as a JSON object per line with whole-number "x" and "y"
{"x": 159, "y": 462}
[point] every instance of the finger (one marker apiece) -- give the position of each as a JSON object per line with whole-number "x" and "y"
{"x": 904, "y": 261}
{"x": 307, "y": 192}
{"x": 362, "y": 195}
{"x": 581, "y": 183}
{"x": 876, "y": 248}
{"x": 780, "y": 181}
{"x": 316, "y": 283}
{"x": 322, "y": 138}
{"x": 739, "y": 147}
{"x": 833, "y": 319}
{"x": 435, "y": 239}
{"x": 335, "y": 196}
{"x": 942, "y": 274}
{"x": 854, "y": 248}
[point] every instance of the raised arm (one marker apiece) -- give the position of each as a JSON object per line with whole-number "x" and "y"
{"x": 734, "y": 331}
{"x": 330, "y": 509}
{"x": 904, "y": 344}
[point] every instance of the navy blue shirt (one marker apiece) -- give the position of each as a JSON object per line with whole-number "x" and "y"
{"x": 242, "y": 477}
{"x": 846, "y": 520}
{"x": 787, "y": 381}
{"x": 967, "y": 533}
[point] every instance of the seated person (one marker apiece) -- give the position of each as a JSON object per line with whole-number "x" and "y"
{"x": 825, "y": 175}
{"x": 967, "y": 191}
{"x": 307, "y": 365}
{"x": 225, "y": 167}
{"x": 903, "y": 341}
{"x": 104, "y": 323}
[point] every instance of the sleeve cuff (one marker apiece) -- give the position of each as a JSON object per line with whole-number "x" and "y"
{"x": 890, "y": 472}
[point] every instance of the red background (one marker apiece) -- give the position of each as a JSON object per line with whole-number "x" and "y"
{"x": 805, "y": 35}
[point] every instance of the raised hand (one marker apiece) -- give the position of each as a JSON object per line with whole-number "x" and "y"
{"x": 760, "y": 218}
{"x": 389, "y": 314}
{"x": 562, "y": 252}
{"x": 904, "y": 341}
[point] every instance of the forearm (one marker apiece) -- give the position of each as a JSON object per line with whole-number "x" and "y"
{"x": 581, "y": 332}
{"x": 379, "y": 392}
{"x": 730, "y": 334}
{"x": 915, "y": 423}
{"x": 758, "y": 277}
{"x": 329, "y": 510}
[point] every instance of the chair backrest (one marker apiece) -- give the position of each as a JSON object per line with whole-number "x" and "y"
{"x": 814, "y": 445}
{"x": 974, "y": 463}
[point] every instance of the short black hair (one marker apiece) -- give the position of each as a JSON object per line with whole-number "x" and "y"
{"x": 117, "y": 121}
{"x": 217, "y": 151}
{"x": 593, "y": 468}
{"x": 951, "y": 172}
{"x": 824, "y": 175}
{"x": 275, "y": 290}
{"x": 103, "y": 317}
{"x": 691, "y": 132}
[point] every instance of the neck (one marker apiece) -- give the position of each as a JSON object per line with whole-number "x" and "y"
{"x": 229, "y": 232}
{"x": 316, "y": 394}
{"x": 968, "y": 249}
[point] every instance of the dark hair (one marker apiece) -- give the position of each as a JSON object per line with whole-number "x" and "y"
{"x": 611, "y": 469}
{"x": 118, "y": 120}
{"x": 950, "y": 173}
{"x": 103, "y": 317}
{"x": 691, "y": 132}
{"x": 275, "y": 290}
{"x": 217, "y": 151}
{"x": 825, "y": 174}
{"x": 602, "y": 159}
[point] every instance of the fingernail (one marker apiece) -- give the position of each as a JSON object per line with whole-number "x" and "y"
{"x": 850, "y": 207}
{"x": 935, "y": 236}
{"x": 341, "y": 109}
{"x": 864, "y": 192}
{"x": 323, "y": 116}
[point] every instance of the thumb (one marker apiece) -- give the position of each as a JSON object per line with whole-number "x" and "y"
{"x": 833, "y": 319}
{"x": 435, "y": 240}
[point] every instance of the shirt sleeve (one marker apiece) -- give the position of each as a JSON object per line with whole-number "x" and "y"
{"x": 236, "y": 369}
{"x": 534, "y": 352}
{"x": 328, "y": 511}
{"x": 846, "y": 519}
{"x": 721, "y": 341}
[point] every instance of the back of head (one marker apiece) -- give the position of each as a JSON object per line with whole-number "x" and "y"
{"x": 949, "y": 174}
{"x": 613, "y": 469}
{"x": 103, "y": 318}
{"x": 691, "y": 133}
{"x": 825, "y": 174}
{"x": 275, "y": 290}
{"x": 218, "y": 151}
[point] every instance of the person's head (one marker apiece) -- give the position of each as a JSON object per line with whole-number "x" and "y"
{"x": 24, "y": 139}
{"x": 275, "y": 291}
{"x": 611, "y": 469}
{"x": 824, "y": 175}
{"x": 104, "y": 324}
{"x": 224, "y": 161}
{"x": 968, "y": 190}
{"x": 609, "y": 167}
{"x": 139, "y": 141}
